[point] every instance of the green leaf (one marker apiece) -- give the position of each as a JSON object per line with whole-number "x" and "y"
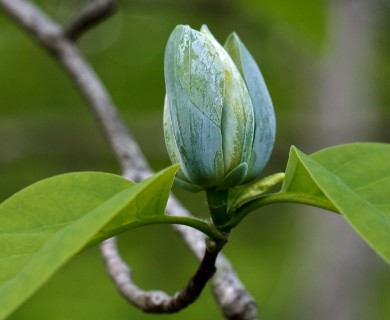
{"x": 299, "y": 185}
{"x": 352, "y": 179}
{"x": 256, "y": 190}
{"x": 44, "y": 225}
{"x": 356, "y": 179}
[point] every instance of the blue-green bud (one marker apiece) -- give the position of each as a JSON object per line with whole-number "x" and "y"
{"x": 219, "y": 122}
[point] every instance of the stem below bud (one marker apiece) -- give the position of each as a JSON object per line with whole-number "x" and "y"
{"x": 218, "y": 201}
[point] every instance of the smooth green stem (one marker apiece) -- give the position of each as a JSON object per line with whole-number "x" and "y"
{"x": 218, "y": 201}
{"x": 200, "y": 225}
{"x": 280, "y": 197}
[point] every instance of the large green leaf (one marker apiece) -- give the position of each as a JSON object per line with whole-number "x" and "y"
{"x": 352, "y": 179}
{"x": 44, "y": 225}
{"x": 356, "y": 179}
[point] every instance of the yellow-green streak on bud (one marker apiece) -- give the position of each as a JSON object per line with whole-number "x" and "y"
{"x": 265, "y": 123}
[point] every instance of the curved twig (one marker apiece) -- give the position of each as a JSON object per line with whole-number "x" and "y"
{"x": 234, "y": 300}
{"x": 157, "y": 301}
{"x": 91, "y": 15}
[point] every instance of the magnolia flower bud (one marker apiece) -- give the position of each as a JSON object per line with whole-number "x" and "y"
{"x": 219, "y": 122}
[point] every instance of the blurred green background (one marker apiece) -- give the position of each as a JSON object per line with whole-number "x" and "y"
{"x": 327, "y": 66}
